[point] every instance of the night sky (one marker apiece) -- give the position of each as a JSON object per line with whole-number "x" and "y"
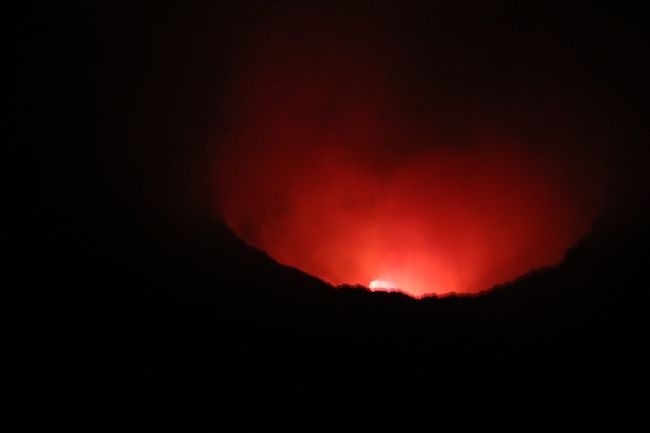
{"x": 356, "y": 140}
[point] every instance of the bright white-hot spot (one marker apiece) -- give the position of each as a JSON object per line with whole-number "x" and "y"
{"x": 382, "y": 285}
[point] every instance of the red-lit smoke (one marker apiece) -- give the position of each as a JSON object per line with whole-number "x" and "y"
{"x": 332, "y": 167}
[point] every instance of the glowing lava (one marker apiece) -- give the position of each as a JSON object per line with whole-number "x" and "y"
{"x": 380, "y": 285}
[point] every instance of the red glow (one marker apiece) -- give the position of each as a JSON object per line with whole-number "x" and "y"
{"x": 328, "y": 170}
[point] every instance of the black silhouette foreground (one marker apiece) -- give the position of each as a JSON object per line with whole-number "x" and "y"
{"x": 203, "y": 296}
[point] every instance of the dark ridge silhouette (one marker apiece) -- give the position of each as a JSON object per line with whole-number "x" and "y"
{"x": 205, "y": 293}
